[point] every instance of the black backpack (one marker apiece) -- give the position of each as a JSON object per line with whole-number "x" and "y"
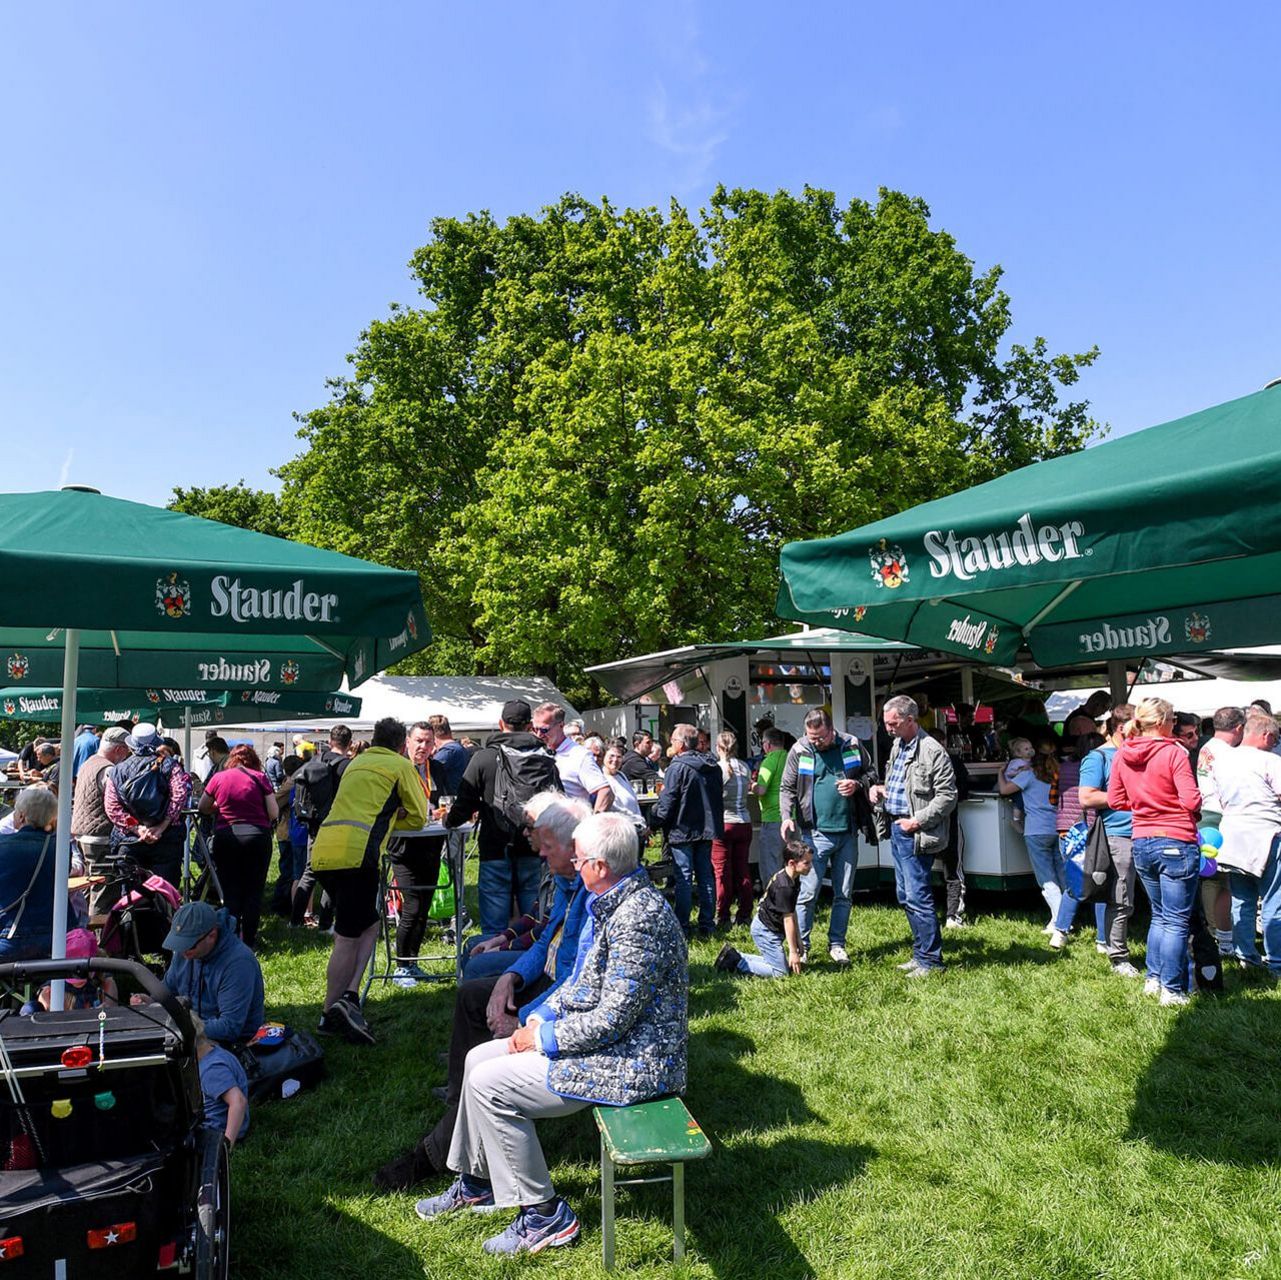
{"x": 315, "y": 786}
{"x": 521, "y": 772}
{"x": 144, "y": 791}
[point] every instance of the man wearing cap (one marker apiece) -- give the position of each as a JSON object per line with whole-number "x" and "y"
{"x": 155, "y": 839}
{"x": 213, "y": 969}
{"x": 90, "y": 825}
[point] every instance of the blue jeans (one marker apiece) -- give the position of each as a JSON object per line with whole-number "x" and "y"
{"x": 772, "y": 962}
{"x": 1046, "y": 857}
{"x": 1065, "y": 917}
{"x": 1248, "y": 893}
{"x": 1171, "y": 874}
{"x": 916, "y": 897}
{"x": 486, "y": 964}
{"x": 839, "y": 851}
{"x": 770, "y": 850}
{"x": 495, "y": 882}
{"x": 694, "y": 862}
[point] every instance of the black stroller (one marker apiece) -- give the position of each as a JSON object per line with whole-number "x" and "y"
{"x": 106, "y": 1168}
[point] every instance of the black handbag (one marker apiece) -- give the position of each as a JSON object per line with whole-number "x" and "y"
{"x": 1096, "y": 862}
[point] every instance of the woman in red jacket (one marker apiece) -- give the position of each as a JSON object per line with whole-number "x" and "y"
{"x": 1152, "y": 777}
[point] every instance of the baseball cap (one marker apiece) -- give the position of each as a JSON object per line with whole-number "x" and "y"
{"x": 115, "y": 736}
{"x": 517, "y": 711}
{"x": 190, "y": 924}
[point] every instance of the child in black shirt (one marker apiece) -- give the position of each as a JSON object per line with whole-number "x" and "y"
{"x": 775, "y": 922}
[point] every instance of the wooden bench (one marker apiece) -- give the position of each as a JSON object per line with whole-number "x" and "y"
{"x": 658, "y": 1132}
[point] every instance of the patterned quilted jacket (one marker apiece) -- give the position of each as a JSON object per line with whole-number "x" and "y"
{"x": 621, "y": 1026}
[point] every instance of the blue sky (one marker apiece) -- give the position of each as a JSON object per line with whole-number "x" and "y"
{"x": 206, "y": 204}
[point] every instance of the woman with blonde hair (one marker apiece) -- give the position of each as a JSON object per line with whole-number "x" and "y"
{"x": 1152, "y": 778}
{"x": 731, "y": 854}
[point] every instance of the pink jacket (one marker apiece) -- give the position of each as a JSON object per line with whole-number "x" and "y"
{"x": 1152, "y": 777}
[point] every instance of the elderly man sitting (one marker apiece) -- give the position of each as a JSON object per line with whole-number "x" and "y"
{"x": 614, "y": 1033}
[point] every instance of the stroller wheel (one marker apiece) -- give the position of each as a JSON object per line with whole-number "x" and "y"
{"x": 213, "y": 1209}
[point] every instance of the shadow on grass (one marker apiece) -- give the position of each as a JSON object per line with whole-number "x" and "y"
{"x": 1211, "y": 1091}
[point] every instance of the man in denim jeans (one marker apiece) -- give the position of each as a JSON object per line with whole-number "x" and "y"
{"x": 820, "y": 780}
{"x": 919, "y": 795}
{"x": 691, "y": 812}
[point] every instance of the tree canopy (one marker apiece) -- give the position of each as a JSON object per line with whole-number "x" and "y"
{"x": 595, "y": 433}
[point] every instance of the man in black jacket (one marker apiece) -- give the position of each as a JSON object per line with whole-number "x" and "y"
{"x": 691, "y": 811}
{"x": 507, "y": 863}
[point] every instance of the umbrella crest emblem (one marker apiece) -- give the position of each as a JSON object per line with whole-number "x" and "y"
{"x": 989, "y": 645}
{"x": 10, "y": 706}
{"x": 173, "y": 596}
{"x": 1196, "y": 627}
{"x": 889, "y": 564}
{"x": 411, "y": 625}
{"x": 289, "y": 671}
{"x": 153, "y": 695}
{"x": 18, "y": 666}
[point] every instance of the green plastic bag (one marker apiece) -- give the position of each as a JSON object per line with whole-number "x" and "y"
{"x": 442, "y": 900}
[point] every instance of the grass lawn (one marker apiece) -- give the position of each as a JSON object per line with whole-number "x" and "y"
{"x": 1026, "y": 1114}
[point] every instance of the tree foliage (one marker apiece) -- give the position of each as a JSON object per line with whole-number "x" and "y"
{"x": 598, "y": 429}
{"x": 235, "y": 504}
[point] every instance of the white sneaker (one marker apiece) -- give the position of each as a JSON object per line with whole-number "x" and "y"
{"x": 954, "y": 922}
{"x": 907, "y": 966}
{"x": 1101, "y": 948}
{"x": 1058, "y": 939}
{"x": 1152, "y": 987}
{"x": 1124, "y": 969}
{"x": 838, "y": 955}
{"x": 403, "y": 978}
{"x": 1174, "y": 997}
{"x": 1049, "y": 929}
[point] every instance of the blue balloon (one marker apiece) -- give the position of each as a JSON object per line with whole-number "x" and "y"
{"x": 1211, "y": 836}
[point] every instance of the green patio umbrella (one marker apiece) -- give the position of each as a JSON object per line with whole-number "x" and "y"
{"x": 196, "y": 707}
{"x": 199, "y": 604}
{"x": 1164, "y": 541}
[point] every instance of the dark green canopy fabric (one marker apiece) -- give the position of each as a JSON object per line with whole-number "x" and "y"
{"x": 166, "y": 598}
{"x": 1164, "y": 541}
{"x": 240, "y": 706}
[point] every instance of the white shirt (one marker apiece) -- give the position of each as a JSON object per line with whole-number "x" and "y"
{"x": 1249, "y": 783}
{"x": 625, "y": 800}
{"x": 580, "y": 775}
{"x": 1210, "y": 754}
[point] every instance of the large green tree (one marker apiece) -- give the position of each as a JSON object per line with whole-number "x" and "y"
{"x": 595, "y": 434}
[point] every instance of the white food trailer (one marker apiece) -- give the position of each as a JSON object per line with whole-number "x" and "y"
{"x": 736, "y": 685}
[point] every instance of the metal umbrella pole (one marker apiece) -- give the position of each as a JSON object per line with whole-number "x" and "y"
{"x": 62, "y": 843}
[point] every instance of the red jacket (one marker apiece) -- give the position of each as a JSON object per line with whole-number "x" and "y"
{"x": 1152, "y": 777}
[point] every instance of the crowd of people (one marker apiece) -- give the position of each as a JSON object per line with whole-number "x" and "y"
{"x": 574, "y": 988}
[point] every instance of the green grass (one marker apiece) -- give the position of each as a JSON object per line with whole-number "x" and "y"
{"x": 1026, "y": 1114}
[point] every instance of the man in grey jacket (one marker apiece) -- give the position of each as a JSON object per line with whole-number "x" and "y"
{"x": 919, "y": 795}
{"x": 614, "y": 1032}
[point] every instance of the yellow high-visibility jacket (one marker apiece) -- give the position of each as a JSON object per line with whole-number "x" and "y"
{"x": 373, "y": 788}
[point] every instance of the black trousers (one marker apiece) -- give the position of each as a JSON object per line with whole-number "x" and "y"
{"x": 242, "y": 862}
{"x": 302, "y": 895}
{"x": 470, "y": 1029}
{"x": 416, "y": 866}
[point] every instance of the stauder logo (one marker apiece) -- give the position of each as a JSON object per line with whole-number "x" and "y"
{"x": 231, "y": 599}
{"x": 970, "y": 635}
{"x": 173, "y": 596}
{"x": 288, "y": 671}
{"x": 1024, "y": 545}
{"x": 18, "y": 666}
{"x": 889, "y": 564}
{"x": 1196, "y": 627}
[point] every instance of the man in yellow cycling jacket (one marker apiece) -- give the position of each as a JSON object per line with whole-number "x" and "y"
{"x": 380, "y": 792}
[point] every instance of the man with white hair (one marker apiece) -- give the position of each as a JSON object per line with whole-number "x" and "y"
{"x": 919, "y": 795}
{"x": 489, "y": 1006}
{"x": 90, "y": 823}
{"x": 1248, "y": 780}
{"x": 614, "y": 1033}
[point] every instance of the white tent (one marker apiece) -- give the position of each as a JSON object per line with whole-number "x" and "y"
{"x": 472, "y": 704}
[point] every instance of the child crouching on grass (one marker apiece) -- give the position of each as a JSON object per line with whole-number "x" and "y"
{"x": 224, "y": 1085}
{"x": 775, "y": 922}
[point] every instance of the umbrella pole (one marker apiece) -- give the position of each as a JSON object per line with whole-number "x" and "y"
{"x": 62, "y": 844}
{"x": 186, "y": 738}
